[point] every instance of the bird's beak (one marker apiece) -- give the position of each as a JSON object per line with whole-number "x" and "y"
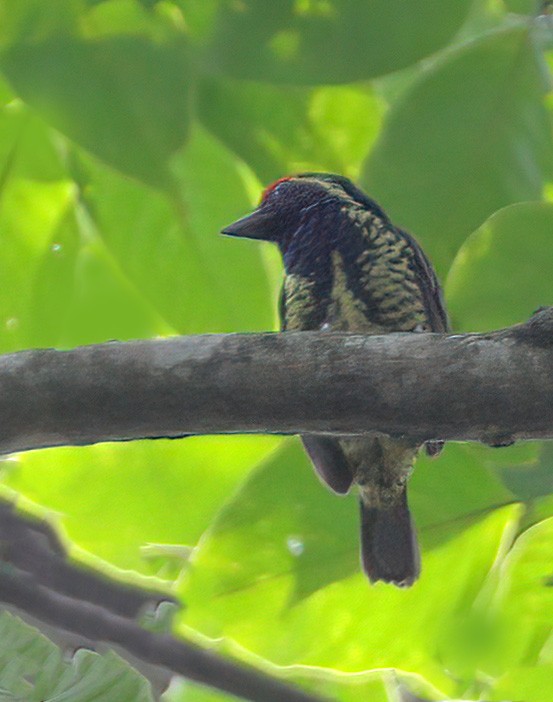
{"x": 257, "y": 225}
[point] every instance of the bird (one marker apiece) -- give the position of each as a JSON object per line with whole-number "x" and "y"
{"x": 348, "y": 268}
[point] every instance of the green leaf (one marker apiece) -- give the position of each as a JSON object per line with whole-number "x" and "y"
{"x": 534, "y": 479}
{"x": 147, "y": 18}
{"x": 97, "y": 256}
{"x": 501, "y": 274}
{"x": 279, "y": 130}
{"x": 469, "y": 137}
{"x": 169, "y": 254}
{"x": 32, "y": 20}
{"x": 62, "y": 286}
{"x": 196, "y": 693}
{"x": 88, "y": 254}
{"x": 498, "y": 278}
{"x": 199, "y": 16}
{"x": 29, "y": 149}
{"x": 297, "y": 539}
{"x": 33, "y": 217}
{"x": 281, "y": 562}
{"x": 328, "y": 41}
{"x": 164, "y": 492}
{"x": 524, "y": 598}
{"x": 527, "y": 585}
{"x": 445, "y": 505}
{"x": 531, "y": 684}
{"x": 326, "y": 683}
{"x": 357, "y": 626}
{"x": 125, "y": 99}
{"x": 33, "y": 669}
{"x": 240, "y": 282}
{"x": 523, "y": 7}
{"x": 266, "y": 532}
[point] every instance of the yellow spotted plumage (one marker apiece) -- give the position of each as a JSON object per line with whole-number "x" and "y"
{"x": 348, "y": 268}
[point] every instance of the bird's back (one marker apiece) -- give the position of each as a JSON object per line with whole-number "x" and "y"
{"x": 377, "y": 281}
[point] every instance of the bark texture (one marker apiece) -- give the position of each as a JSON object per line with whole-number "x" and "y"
{"x": 494, "y": 387}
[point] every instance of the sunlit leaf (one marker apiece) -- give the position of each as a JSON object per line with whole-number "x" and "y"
{"x": 34, "y": 216}
{"x": 501, "y": 274}
{"x": 29, "y": 149}
{"x": 61, "y": 284}
{"x": 235, "y": 277}
{"x": 469, "y": 137}
{"x": 130, "y": 17}
{"x": 199, "y": 16}
{"x": 104, "y": 257}
{"x": 528, "y": 582}
{"x": 164, "y": 492}
{"x": 272, "y": 533}
{"x": 278, "y": 130}
{"x": 284, "y": 536}
{"x": 524, "y": 599}
{"x": 326, "y": 683}
{"x": 531, "y": 684}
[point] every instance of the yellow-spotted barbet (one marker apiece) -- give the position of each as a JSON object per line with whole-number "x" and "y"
{"x": 348, "y": 268}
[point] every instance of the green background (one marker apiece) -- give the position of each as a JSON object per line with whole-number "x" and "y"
{"x": 131, "y": 132}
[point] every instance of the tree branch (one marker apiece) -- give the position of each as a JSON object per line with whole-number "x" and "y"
{"x": 493, "y": 387}
{"x": 41, "y": 583}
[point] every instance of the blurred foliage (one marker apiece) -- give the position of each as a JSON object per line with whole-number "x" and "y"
{"x": 131, "y": 132}
{"x": 35, "y": 670}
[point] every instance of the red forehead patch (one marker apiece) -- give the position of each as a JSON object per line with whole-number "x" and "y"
{"x": 269, "y": 189}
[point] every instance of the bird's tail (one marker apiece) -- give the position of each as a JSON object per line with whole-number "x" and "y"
{"x": 389, "y": 549}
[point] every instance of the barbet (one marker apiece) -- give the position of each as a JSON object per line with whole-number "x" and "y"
{"x": 348, "y": 268}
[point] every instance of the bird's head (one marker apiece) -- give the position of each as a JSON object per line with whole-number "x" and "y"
{"x": 290, "y": 204}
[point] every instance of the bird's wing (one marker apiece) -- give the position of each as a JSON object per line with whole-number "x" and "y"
{"x": 301, "y": 307}
{"x": 430, "y": 287}
{"x": 387, "y": 271}
{"x": 435, "y": 309}
{"x": 282, "y": 309}
{"x": 301, "y": 310}
{"x": 329, "y": 461}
